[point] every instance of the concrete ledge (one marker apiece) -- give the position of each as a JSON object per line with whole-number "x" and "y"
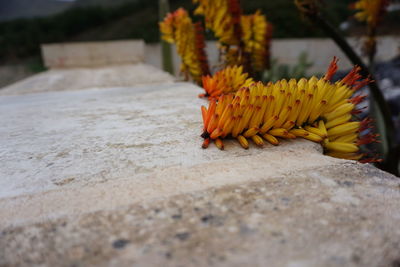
{"x": 92, "y": 54}
{"x": 73, "y": 152}
{"x": 117, "y": 177}
{"x": 342, "y": 215}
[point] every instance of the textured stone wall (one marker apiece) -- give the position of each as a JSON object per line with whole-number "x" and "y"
{"x": 92, "y": 54}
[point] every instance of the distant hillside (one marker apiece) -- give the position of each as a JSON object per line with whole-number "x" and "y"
{"x": 14, "y": 9}
{"x": 101, "y": 2}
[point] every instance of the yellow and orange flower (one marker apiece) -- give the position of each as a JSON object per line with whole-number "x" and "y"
{"x": 230, "y": 55}
{"x": 222, "y": 17}
{"x": 178, "y": 28}
{"x": 370, "y": 11}
{"x": 243, "y": 39}
{"x": 314, "y": 109}
{"x": 228, "y": 80}
{"x": 256, "y": 36}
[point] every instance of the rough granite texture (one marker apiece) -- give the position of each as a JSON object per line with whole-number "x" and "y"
{"x": 116, "y": 177}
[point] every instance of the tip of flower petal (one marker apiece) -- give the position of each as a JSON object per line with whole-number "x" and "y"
{"x": 371, "y": 160}
{"x": 366, "y": 124}
{"x": 206, "y": 143}
{"x": 368, "y": 139}
{"x": 357, "y": 99}
{"x": 352, "y": 77}
{"x": 331, "y": 69}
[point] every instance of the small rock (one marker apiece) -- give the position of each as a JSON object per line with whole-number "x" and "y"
{"x": 182, "y": 236}
{"x": 120, "y": 243}
{"x": 176, "y": 216}
{"x": 207, "y": 218}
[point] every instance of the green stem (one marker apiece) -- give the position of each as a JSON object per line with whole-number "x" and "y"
{"x": 166, "y": 52}
{"x": 371, "y": 48}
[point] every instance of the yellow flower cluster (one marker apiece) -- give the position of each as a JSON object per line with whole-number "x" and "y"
{"x": 225, "y": 81}
{"x": 231, "y": 55}
{"x": 315, "y": 109}
{"x": 256, "y": 35}
{"x": 219, "y": 19}
{"x": 237, "y": 33}
{"x": 370, "y": 11}
{"x": 178, "y": 28}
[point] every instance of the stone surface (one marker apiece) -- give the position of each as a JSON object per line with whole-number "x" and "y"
{"x": 93, "y": 54}
{"x": 342, "y": 215}
{"x": 116, "y": 176}
{"x": 82, "y": 78}
{"x": 67, "y": 149}
{"x": 12, "y": 73}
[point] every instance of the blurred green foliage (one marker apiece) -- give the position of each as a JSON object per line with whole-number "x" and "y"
{"x": 21, "y": 38}
{"x": 166, "y": 48}
{"x": 35, "y": 65}
{"x": 283, "y": 71}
